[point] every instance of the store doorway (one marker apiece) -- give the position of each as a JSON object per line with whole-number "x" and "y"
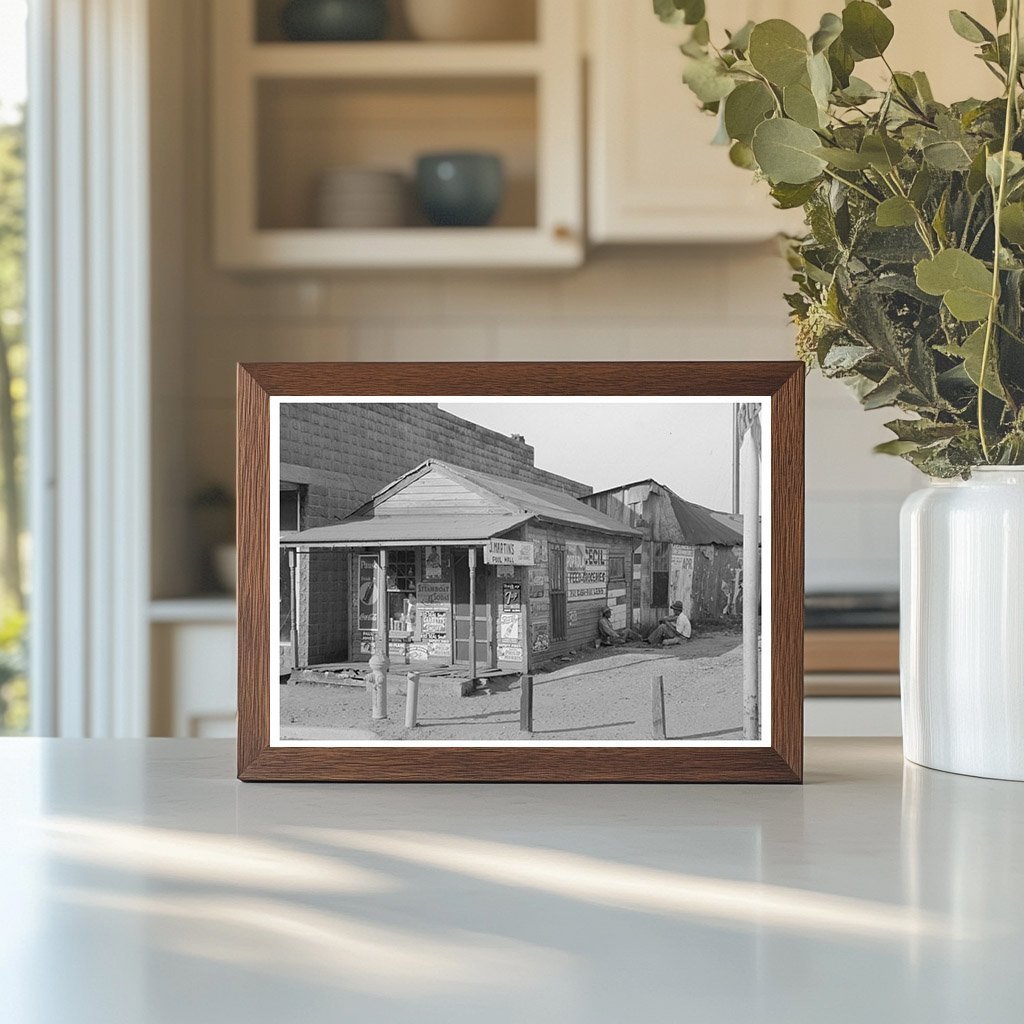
{"x": 460, "y": 604}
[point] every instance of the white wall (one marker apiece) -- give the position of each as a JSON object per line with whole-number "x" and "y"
{"x": 701, "y": 303}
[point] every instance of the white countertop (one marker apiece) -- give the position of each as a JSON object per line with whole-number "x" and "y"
{"x": 143, "y": 885}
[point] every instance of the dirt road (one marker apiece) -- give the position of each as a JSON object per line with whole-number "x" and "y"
{"x": 601, "y": 695}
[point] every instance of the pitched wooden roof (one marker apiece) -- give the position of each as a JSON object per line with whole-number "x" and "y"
{"x": 440, "y": 503}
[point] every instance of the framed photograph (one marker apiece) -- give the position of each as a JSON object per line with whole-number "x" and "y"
{"x": 520, "y": 572}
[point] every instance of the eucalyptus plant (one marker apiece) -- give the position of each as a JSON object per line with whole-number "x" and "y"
{"x": 910, "y": 278}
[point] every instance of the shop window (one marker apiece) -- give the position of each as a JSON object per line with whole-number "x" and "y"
{"x": 401, "y": 577}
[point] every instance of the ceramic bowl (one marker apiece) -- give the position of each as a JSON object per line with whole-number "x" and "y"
{"x": 460, "y": 189}
{"x": 334, "y": 20}
{"x": 358, "y": 197}
{"x": 471, "y": 20}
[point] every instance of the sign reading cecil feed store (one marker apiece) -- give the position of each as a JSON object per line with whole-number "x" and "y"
{"x": 508, "y": 552}
{"x": 586, "y": 572}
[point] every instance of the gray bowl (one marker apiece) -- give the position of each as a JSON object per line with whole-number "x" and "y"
{"x": 461, "y": 190}
{"x": 334, "y": 20}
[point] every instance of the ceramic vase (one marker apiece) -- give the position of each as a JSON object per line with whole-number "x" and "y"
{"x": 962, "y": 624}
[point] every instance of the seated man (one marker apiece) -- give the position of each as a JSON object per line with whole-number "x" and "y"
{"x": 608, "y": 635}
{"x": 673, "y": 629}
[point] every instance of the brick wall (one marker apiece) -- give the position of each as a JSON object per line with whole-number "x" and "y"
{"x": 354, "y": 450}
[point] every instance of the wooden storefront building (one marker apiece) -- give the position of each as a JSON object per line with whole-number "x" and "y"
{"x": 535, "y": 564}
{"x": 688, "y": 554}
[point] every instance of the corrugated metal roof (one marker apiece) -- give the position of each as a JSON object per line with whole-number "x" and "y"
{"x": 699, "y": 526}
{"x": 409, "y": 530}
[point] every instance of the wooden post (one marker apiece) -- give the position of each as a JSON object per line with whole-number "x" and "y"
{"x": 383, "y": 624}
{"x": 751, "y": 493}
{"x": 380, "y": 662}
{"x": 412, "y": 695}
{"x": 293, "y": 606}
{"x": 472, "y": 613}
{"x": 658, "y": 708}
{"x": 526, "y": 702}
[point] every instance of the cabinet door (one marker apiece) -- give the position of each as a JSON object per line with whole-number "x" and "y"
{"x": 654, "y": 175}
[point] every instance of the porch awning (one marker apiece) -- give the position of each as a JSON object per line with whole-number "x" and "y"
{"x": 407, "y": 531}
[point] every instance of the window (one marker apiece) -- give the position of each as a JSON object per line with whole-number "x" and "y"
{"x": 556, "y": 554}
{"x": 401, "y": 591}
{"x": 14, "y": 691}
{"x": 616, "y": 567}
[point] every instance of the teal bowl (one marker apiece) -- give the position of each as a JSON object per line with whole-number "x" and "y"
{"x": 334, "y": 21}
{"x": 460, "y": 190}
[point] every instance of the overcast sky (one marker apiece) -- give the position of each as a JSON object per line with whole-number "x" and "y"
{"x": 686, "y": 447}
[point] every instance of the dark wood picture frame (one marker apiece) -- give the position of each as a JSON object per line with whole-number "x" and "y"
{"x": 780, "y": 761}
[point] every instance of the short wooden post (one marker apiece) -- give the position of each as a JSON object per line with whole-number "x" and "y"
{"x": 658, "y": 702}
{"x": 412, "y": 696}
{"x": 472, "y": 613}
{"x": 526, "y": 702}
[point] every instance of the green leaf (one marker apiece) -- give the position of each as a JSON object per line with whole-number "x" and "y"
{"x": 1014, "y": 169}
{"x": 1012, "y": 226}
{"x": 896, "y": 447}
{"x": 708, "y": 80}
{"x": 800, "y": 105}
{"x": 963, "y": 281}
{"x": 976, "y": 174}
{"x": 785, "y": 152}
{"x": 999, "y": 6}
{"x": 922, "y": 185}
{"x": 896, "y": 212}
{"x": 947, "y": 156}
{"x": 745, "y": 108}
{"x": 841, "y": 60}
{"x": 923, "y": 431}
{"x": 778, "y": 50}
{"x": 972, "y": 352}
{"x": 883, "y": 153}
{"x": 739, "y": 41}
{"x": 969, "y": 28}
{"x": 830, "y": 29}
{"x": 741, "y": 155}
{"x": 844, "y": 159}
{"x": 676, "y": 12}
{"x": 866, "y": 29}
{"x": 820, "y": 76}
{"x": 924, "y": 87}
{"x": 789, "y": 197}
{"x": 885, "y": 394}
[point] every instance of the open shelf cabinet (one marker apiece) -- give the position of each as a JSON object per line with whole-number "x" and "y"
{"x": 285, "y": 113}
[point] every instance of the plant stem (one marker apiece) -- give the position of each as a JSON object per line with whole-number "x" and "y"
{"x": 1000, "y": 199}
{"x": 855, "y": 187}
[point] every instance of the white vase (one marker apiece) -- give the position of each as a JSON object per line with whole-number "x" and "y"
{"x": 962, "y": 624}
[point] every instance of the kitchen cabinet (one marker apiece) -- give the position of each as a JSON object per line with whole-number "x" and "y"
{"x": 286, "y": 113}
{"x": 653, "y": 175}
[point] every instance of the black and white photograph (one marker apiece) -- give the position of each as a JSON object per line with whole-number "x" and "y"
{"x": 482, "y": 571}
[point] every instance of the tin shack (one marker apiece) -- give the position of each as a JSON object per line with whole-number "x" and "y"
{"x": 450, "y": 566}
{"x": 687, "y": 554}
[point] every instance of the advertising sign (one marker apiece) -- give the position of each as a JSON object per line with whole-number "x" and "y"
{"x": 508, "y": 552}
{"x": 433, "y": 610}
{"x": 586, "y": 570}
{"x": 367, "y": 592}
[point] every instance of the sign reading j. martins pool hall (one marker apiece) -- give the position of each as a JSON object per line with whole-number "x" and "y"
{"x": 509, "y": 552}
